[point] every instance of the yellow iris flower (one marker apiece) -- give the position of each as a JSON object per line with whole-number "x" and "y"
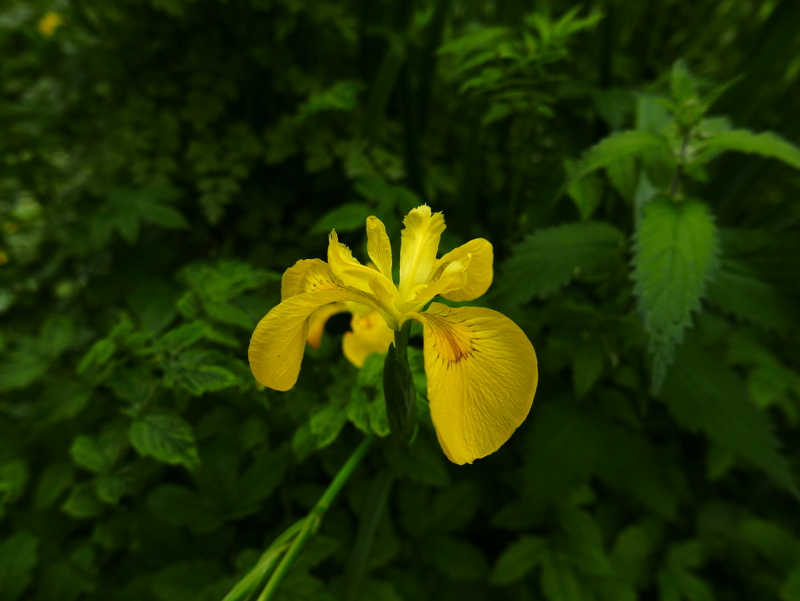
{"x": 368, "y": 331}
{"x": 481, "y": 368}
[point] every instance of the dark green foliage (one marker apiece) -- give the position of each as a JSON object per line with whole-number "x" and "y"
{"x": 636, "y": 168}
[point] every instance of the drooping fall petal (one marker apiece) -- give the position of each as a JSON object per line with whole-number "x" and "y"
{"x": 479, "y": 273}
{"x": 307, "y": 275}
{"x": 276, "y": 347}
{"x": 369, "y": 334}
{"x": 482, "y": 377}
{"x": 420, "y": 241}
{"x": 318, "y": 319}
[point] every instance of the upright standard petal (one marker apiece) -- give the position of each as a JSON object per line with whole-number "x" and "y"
{"x": 349, "y": 272}
{"x": 378, "y": 246}
{"x": 482, "y": 377}
{"x": 369, "y": 334}
{"x": 479, "y": 274}
{"x": 418, "y": 247}
{"x": 276, "y": 348}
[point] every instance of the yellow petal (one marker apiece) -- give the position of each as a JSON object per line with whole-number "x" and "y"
{"x": 418, "y": 247}
{"x": 318, "y": 319}
{"x": 307, "y": 275}
{"x": 482, "y": 376}
{"x": 347, "y": 269}
{"x": 369, "y": 334}
{"x": 378, "y": 246}
{"x": 276, "y": 348}
{"x": 479, "y": 274}
{"x": 453, "y": 276}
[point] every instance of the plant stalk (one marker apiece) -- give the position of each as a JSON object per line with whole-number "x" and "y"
{"x": 314, "y": 519}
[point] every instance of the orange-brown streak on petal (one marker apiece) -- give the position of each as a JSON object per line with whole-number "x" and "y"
{"x": 482, "y": 376}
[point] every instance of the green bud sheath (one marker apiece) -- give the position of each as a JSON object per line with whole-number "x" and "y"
{"x": 401, "y": 398}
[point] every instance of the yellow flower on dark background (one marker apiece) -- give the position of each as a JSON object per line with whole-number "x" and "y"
{"x": 481, "y": 368}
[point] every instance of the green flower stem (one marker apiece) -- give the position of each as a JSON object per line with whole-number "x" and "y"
{"x": 257, "y": 576}
{"x": 313, "y": 520}
{"x": 401, "y": 337}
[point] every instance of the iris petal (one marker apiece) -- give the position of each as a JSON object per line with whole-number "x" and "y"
{"x": 479, "y": 274}
{"x": 420, "y": 241}
{"x": 482, "y": 376}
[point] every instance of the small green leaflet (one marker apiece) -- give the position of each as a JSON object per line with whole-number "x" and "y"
{"x": 616, "y": 147}
{"x": 766, "y": 144}
{"x": 18, "y": 556}
{"x": 550, "y": 258}
{"x": 675, "y": 255}
{"x": 166, "y": 437}
{"x": 518, "y": 559}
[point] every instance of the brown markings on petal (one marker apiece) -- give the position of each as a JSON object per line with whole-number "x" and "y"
{"x": 453, "y": 344}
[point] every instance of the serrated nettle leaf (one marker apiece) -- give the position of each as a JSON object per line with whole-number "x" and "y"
{"x": 552, "y": 257}
{"x": 586, "y": 192}
{"x": 738, "y": 290}
{"x": 676, "y": 254}
{"x": 166, "y": 437}
{"x": 617, "y": 147}
{"x": 765, "y": 144}
{"x": 88, "y": 453}
{"x": 110, "y": 488}
{"x": 703, "y": 393}
{"x": 229, "y": 314}
{"x": 181, "y": 337}
{"x": 518, "y": 559}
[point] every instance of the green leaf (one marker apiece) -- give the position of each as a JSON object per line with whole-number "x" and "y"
{"x": 550, "y": 258}
{"x": 518, "y": 559}
{"x": 89, "y": 454}
{"x": 585, "y": 192}
{"x": 790, "y": 589}
{"x": 615, "y": 148}
{"x": 57, "y": 478}
{"x": 559, "y": 581}
{"x": 167, "y": 437}
{"x": 705, "y": 394}
{"x": 18, "y": 557}
{"x": 110, "y": 488}
{"x": 584, "y": 543}
{"x": 766, "y": 144}
{"x": 562, "y": 449}
{"x": 99, "y": 354}
{"x": 82, "y": 503}
{"x": 179, "y": 506}
{"x": 587, "y": 366}
{"x": 458, "y": 559}
{"x": 675, "y": 256}
{"x": 182, "y": 337}
{"x": 676, "y": 580}
{"x": 738, "y": 290}
{"x": 345, "y": 218}
{"x": 341, "y": 96}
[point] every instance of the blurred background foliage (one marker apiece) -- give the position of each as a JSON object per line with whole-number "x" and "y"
{"x": 163, "y": 161}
